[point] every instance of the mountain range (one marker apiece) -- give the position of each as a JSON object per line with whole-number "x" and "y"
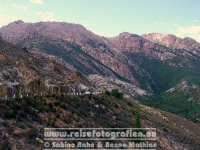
{"x": 141, "y": 66}
{"x": 39, "y": 61}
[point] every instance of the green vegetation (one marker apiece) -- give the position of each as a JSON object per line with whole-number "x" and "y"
{"x": 5, "y": 145}
{"x": 137, "y": 121}
{"x": 114, "y": 92}
{"x": 26, "y": 117}
{"x": 166, "y": 76}
{"x": 176, "y": 103}
{"x": 82, "y": 107}
{"x": 106, "y": 92}
{"x": 163, "y": 75}
{"x": 117, "y": 94}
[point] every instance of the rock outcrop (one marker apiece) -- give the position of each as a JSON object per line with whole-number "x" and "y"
{"x": 23, "y": 73}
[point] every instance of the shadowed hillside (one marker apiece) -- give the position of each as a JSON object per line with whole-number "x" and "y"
{"x": 23, "y": 73}
{"x": 22, "y": 120}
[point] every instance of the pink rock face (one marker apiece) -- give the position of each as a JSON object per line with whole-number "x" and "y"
{"x": 82, "y": 50}
{"x": 132, "y": 43}
{"x": 96, "y": 46}
{"x": 174, "y": 42}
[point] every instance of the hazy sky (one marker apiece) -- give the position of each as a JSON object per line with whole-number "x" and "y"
{"x": 110, "y": 17}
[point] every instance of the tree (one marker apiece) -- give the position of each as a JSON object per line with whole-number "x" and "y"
{"x": 116, "y": 93}
{"x": 137, "y": 121}
{"x": 25, "y": 49}
{"x": 107, "y": 92}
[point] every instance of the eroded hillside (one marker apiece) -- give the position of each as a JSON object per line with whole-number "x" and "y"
{"x": 23, "y": 73}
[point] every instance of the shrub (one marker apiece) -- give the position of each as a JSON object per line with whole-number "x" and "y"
{"x": 116, "y": 93}
{"x": 106, "y": 92}
{"x": 5, "y": 145}
{"x": 137, "y": 121}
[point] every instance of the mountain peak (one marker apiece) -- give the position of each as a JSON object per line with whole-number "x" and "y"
{"x": 124, "y": 33}
{"x": 17, "y": 22}
{"x": 190, "y": 39}
{"x": 158, "y": 36}
{"x": 173, "y": 41}
{"x": 127, "y": 34}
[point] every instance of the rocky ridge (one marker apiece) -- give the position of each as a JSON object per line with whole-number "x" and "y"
{"x": 126, "y": 57}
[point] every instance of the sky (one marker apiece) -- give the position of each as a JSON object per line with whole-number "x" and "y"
{"x": 111, "y": 17}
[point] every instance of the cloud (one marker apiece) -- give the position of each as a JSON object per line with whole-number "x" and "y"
{"x": 100, "y": 33}
{"x": 38, "y": 2}
{"x": 5, "y": 19}
{"x": 189, "y": 31}
{"x": 46, "y": 15}
{"x": 21, "y": 7}
{"x": 195, "y": 20}
{"x": 159, "y": 23}
{"x": 174, "y": 24}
